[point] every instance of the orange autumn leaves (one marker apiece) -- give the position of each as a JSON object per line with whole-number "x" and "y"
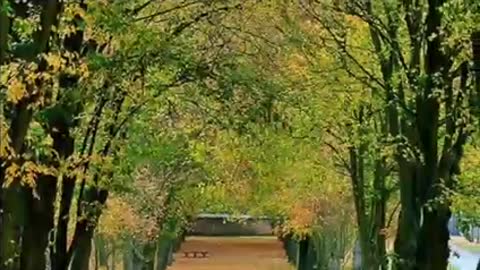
{"x": 135, "y": 215}
{"x": 120, "y": 219}
{"x": 323, "y": 210}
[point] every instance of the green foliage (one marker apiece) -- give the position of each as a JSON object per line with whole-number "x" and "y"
{"x": 465, "y": 203}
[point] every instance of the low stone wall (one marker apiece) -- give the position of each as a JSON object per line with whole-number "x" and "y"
{"x": 219, "y": 226}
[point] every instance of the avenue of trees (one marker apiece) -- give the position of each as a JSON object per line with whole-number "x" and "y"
{"x": 348, "y": 121}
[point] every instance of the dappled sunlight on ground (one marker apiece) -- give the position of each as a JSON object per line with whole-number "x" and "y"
{"x": 232, "y": 253}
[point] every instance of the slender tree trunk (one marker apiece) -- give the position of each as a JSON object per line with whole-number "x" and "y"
{"x": 371, "y": 239}
{"x": 81, "y": 254}
{"x": 101, "y": 251}
{"x": 302, "y": 257}
{"x": 163, "y": 250}
{"x": 138, "y": 259}
{"x": 4, "y": 26}
{"x": 1, "y": 206}
{"x": 80, "y": 250}
{"x": 59, "y": 257}
{"x": 311, "y": 256}
{"x": 113, "y": 257}
{"x": 64, "y": 145}
{"x": 96, "y": 258}
{"x": 356, "y": 178}
{"x": 379, "y": 216}
{"x": 149, "y": 250}
{"x": 128, "y": 257}
{"x": 408, "y": 220}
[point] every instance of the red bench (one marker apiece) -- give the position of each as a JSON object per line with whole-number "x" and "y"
{"x": 195, "y": 254}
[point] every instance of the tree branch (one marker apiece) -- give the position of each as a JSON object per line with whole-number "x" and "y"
{"x": 4, "y": 26}
{"x": 343, "y": 161}
{"x": 180, "y": 28}
{"x": 392, "y": 215}
{"x": 48, "y": 18}
{"x": 162, "y": 12}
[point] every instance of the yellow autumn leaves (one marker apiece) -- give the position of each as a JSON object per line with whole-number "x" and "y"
{"x": 120, "y": 218}
{"x": 143, "y": 213}
{"x": 16, "y": 91}
{"x": 15, "y": 77}
{"x": 27, "y": 173}
{"x": 4, "y": 138}
{"x": 26, "y": 80}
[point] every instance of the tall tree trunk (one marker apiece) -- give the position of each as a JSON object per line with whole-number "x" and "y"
{"x": 63, "y": 144}
{"x": 39, "y": 225}
{"x": 433, "y": 251}
{"x": 408, "y": 220}
{"x": 41, "y": 210}
{"x": 13, "y": 215}
{"x": 4, "y": 28}
{"x": 13, "y": 203}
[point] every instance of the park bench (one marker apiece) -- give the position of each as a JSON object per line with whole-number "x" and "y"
{"x": 195, "y": 254}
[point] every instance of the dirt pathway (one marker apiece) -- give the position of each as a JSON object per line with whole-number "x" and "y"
{"x": 232, "y": 253}
{"x": 465, "y": 255}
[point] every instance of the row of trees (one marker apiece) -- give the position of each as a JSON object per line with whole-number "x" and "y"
{"x": 413, "y": 108}
{"x": 395, "y": 84}
{"x": 76, "y": 77}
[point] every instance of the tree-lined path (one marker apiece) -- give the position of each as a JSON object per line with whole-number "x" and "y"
{"x": 232, "y": 253}
{"x": 344, "y": 125}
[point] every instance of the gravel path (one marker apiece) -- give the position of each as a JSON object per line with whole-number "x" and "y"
{"x": 465, "y": 255}
{"x": 232, "y": 253}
